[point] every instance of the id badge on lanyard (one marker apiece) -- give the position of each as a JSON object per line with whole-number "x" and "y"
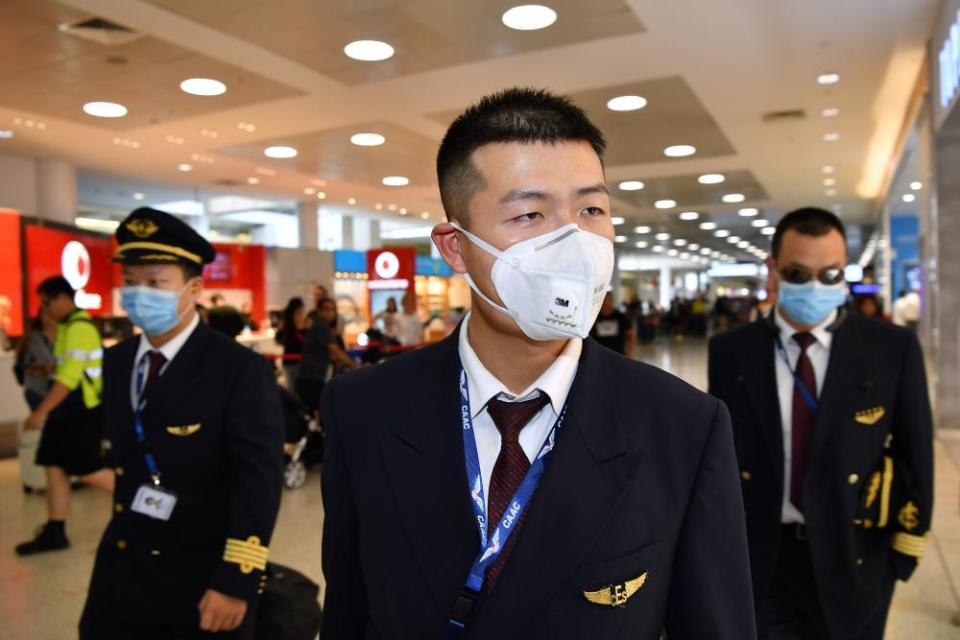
{"x": 151, "y": 500}
{"x": 490, "y": 549}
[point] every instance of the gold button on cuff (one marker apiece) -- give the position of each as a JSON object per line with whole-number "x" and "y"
{"x": 121, "y": 544}
{"x": 118, "y": 507}
{"x": 853, "y": 479}
{"x": 118, "y": 471}
{"x": 154, "y": 552}
{"x": 746, "y": 475}
{"x": 859, "y": 561}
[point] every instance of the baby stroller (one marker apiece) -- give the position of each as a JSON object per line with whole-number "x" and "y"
{"x": 303, "y": 442}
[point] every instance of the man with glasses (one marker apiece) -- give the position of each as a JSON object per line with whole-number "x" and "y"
{"x": 833, "y": 434}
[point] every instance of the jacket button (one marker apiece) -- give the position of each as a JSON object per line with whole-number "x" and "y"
{"x": 853, "y": 479}
{"x": 118, "y": 471}
{"x": 155, "y": 552}
{"x": 118, "y": 507}
{"x": 746, "y": 475}
{"x": 859, "y": 561}
{"x": 121, "y": 544}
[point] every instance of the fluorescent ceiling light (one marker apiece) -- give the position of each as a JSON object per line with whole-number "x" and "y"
{"x": 689, "y": 215}
{"x": 627, "y": 103}
{"x": 748, "y": 212}
{"x": 396, "y": 181}
{"x": 617, "y": 221}
{"x": 679, "y": 242}
{"x": 733, "y": 239}
{"x": 833, "y": 136}
{"x": 830, "y": 112}
{"x": 693, "y": 247}
{"x": 708, "y": 226}
{"x": 97, "y": 224}
{"x": 680, "y": 151}
{"x": 309, "y": 191}
{"x": 759, "y": 223}
{"x": 203, "y": 87}
{"x": 529, "y": 17}
{"x": 768, "y": 231}
{"x": 368, "y": 50}
{"x": 672, "y": 253}
{"x": 321, "y": 195}
{"x": 620, "y": 239}
{"x": 631, "y": 185}
{"x": 6, "y": 134}
{"x": 662, "y": 236}
{"x": 733, "y": 198}
{"x": 280, "y": 152}
{"x": 138, "y": 196}
{"x": 184, "y": 167}
{"x": 351, "y": 201}
{"x": 706, "y": 251}
{"x": 657, "y": 249}
{"x": 721, "y": 233}
{"x": 253, "y": 180}
{"x": 642, "y": 245}
{"x": 711, "y": 178}
{"x": 829, "y": 182}
{"x": 909, "y": 197}
{"x": 828, "y": 78}
{"x": 105, "y": 109}
{"x": 665, "y": 204}
{"x": 642, "y": 229}
{"x": 367, "y": 139}
{"x": 916, "y": 185}
{"x": 743, "y": 244}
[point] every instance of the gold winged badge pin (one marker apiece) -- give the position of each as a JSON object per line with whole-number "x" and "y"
{"x": 616, "y": 595}
{"x": 869, "y": 417}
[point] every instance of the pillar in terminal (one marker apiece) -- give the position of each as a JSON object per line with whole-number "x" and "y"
{"x": 308, "y": 218}
{"x": 56, "y": 190}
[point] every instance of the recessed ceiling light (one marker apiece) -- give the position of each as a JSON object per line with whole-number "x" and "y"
{"x": 706, "y": 251}
{"x": 657, "y": 249}
{"x": 138, "y": 196}
{"x": 916, "y": 185}
{"x": 833, "y": 136}
{"x": 246, "y": 126}
{"x": 253, "y": 180}
{"x": 759, "y": 223}
{"x": 627, "y": 103}
{"x": 693, "y": 247}
{"x": 829, "y": 182}
{"x": 642, "y": 244}
{"x": 830, "y": 112}
{"x": 642, "y": 229}
{"x": 743, "y": 244}
{"x": 829, "y": 169}
{"x": 368, "y": 50}
{"x": 529, "y": 17}
{"x": 680, "y": 151}
{"x": 733, "y": 198}
{"x": 768, "y": 231}
{"x": 367, "y": 139}
{"x": 105, "y": 109}
{"x": 184, "y": 167}
{"x": 721, "y": 233}
{"x": 663, "y": 235}
{"x": 620, "y": 238}
{"x": 396, "y": 181}
{"x": 425, "y": 215}
{"x": 679, "y": 242}
{"x": 828, "y": 78}
{"x": 309, "y": 191}
{"x": 280, "y": 152}
{"x": 321, "y": 195}
{"x": 203, "y": 87}
{"x": 909, "y": 197}
{"x": 617, "y": 221}
{"x": 733, "y": 239}
{"x": 665, "y": 204}
{"x": 748, "y": 212}
{"x": 672, "y": 253}
{"x": 351, "y": 201}
{"x": 631, "y": 185}
{"x": 708, "y": 226}
{"x": 689, "y": 215}
{"x": 711, "y": 178}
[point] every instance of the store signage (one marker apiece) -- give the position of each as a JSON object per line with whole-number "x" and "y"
{"x": 390, "y": 269}
{"x": 950, "y": 65}
{"x": 75, "y": 267}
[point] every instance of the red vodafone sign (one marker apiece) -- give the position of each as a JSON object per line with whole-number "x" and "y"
{"x": 391, "y": 269}
{"x": 82, "y": 258}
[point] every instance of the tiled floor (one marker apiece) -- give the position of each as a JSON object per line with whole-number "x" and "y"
{"x": 41, "y": 597}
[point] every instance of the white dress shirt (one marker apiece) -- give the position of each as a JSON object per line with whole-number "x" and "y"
{"x": 819, "y": 354}
{"x": 484, "y": 386}
{"x": 169, "y": 351}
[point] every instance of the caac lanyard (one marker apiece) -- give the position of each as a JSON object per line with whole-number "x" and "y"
{"x": 490, "y": 548}
{"x": 809, "y": 398}
{"x": 138, "y": 424}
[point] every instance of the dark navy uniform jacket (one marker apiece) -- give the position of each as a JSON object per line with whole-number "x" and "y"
{"x": 642, "y": 480}
{"x": 213, "y": 421}
{"x": 868, "y": 489}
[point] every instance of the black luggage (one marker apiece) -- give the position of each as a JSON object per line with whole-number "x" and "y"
{"x": 288, "y": 606}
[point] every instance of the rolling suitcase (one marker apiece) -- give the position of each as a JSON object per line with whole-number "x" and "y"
{"x": 33, "y": 478}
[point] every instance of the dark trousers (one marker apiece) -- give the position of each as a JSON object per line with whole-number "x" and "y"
{"x": 792, "y": 609}
{"x": 98, "y": 624}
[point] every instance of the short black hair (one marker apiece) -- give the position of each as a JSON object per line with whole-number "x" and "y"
{"x": 190, "y": 270}
{"x": 524, "y": 115}
{"x": 809, "y": 221}
{"x": 56, "y": 286}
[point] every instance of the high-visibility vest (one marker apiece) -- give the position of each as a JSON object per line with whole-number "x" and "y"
{"x": 79, "y": 354}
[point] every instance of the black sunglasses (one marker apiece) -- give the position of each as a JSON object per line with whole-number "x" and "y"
{"x": 801, "y": 275}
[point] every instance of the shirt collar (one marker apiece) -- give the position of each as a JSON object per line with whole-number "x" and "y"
{"x": 483, "y": 385}
{"x": 819, "y": 332}
{"x": 171, "y": 348}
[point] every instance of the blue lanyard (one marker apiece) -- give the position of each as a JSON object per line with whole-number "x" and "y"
{"x": 138, "y": 426}
{"x": 808, "y": 397}
{"x": 491, "y": 548}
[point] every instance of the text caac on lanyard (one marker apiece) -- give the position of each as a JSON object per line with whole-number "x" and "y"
{"x": 809, "y": 396}
{"x": 491, "y": 548}
{"x": 138, "y": 430}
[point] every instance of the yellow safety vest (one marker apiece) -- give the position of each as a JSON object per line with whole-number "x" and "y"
{"x": 79, "y": 354}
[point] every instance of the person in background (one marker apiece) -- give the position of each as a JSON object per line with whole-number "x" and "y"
{"x": 292, "y": 336}
{"x": 69, "y": 413}
{"x": 407, "y": 326}
{"x": 385, "y": 320}
{"x": 906, "y": 310}
{"x": 869, "y": 306}
{"x": 203, "y": 312}
{"x": 834, "y": 439}
{"x": 217, "y": 300}
{"x": 35, "y": 363}
{"x": 197, "y": 442}
{"x": 613, "y": 329}
{"x": 246, "y": 313}
{"x": 226, "y": 319}
{"x": 320, "y": 351}
{"x": 320, "y": 294}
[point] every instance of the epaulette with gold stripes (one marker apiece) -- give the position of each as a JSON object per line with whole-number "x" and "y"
{"x": 249, "y": 554}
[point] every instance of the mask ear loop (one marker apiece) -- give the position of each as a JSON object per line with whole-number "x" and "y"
{"x": 470, "y": 281}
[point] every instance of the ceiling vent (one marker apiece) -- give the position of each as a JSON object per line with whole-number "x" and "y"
{"x": 100, "y": 31}
{"x": 789, "y": 115}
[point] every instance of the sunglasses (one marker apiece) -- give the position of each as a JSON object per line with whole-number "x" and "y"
{"x": 801, "y": 275}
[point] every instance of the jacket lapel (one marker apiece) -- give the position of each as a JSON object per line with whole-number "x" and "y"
{"x": 586, "y": 475}
{"x": 759, "y": 376}
{"x": 425, "y": 462}
{"x": 179, "y": 381}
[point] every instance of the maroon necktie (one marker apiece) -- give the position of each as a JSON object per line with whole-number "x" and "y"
{"x": 157, "y": 360}
{"x": 511, "y": 467}
{"x": 803, "y": 416}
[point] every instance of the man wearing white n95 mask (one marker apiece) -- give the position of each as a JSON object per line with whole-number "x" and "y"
{"x": 514, "y": 490}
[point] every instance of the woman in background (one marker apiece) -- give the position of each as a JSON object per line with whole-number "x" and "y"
{"x": 292, "y": 336}
{"x": 35, "y": 361}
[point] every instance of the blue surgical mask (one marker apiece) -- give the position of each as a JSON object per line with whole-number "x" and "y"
{"x": 153, "y": 310}
{"x": 811, "y": 302}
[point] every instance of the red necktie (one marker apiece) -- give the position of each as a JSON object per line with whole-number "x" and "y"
{"x": 157, "y": 360}
{"x": 511, "y": 467}
{"x": 803, "y": 416}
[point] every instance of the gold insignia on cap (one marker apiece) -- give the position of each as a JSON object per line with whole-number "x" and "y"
{"x": 249, "y": 554}
{"x": 184, "y": 430}
{"x": 142, "y": 228}
{"x": 869, "y": 417}
{"x": 616, "y": 595}
{"x": 908, "y": 516}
